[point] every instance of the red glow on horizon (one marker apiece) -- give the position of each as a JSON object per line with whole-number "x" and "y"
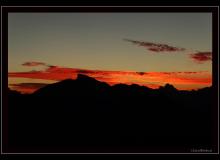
{"x": 180, "y": 80}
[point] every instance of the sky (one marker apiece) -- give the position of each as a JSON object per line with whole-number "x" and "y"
{"x": 148, "y": 49}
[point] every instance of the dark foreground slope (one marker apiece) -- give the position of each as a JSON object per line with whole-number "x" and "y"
{"x": 85, "y": 115}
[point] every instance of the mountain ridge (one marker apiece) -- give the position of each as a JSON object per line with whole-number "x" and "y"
{"x": 86, "y": 112}
{"x": 82, "y": 79}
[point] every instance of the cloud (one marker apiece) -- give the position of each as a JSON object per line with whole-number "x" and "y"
{"x": 198, "y": 57}
{"x": 201, "y": 57}
{"x": 141, "y": 73}
{"x": 27, "y": 87}
{"x": 32, "y": 64}
{"x": 156, "y": 47}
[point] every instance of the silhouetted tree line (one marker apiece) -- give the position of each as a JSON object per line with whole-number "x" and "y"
{"x": 85, "y": 115}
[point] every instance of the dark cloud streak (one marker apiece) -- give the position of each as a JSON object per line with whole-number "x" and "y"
{"x": 29, "y": 85}
{"x": 156, "y": 47}
{"x": 32, "y": 64}
{"x": 201, "y": 57}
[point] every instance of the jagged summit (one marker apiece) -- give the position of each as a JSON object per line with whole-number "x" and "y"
{"x": 84, "y": 77}
{"x": 168, "y": 87}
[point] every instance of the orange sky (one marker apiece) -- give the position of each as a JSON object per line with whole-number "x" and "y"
{"x": 181, "y": 80}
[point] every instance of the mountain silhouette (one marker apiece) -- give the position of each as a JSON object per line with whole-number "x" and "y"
{"x": 81, "y": 86}
{"x": 86, "y": 115}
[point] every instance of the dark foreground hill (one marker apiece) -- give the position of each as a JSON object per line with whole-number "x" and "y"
{"x": 85, "y": 115}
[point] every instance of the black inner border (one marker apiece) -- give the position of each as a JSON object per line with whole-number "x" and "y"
{"x": 5, "y": 10}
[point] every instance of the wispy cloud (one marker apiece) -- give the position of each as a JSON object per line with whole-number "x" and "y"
{"x": 27, "y": 87}
{"x": 156, "y": 47}
{"x": 201, "y": 57}
{"x": 31, "y": 64}
{"x": 198, "y": 56}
